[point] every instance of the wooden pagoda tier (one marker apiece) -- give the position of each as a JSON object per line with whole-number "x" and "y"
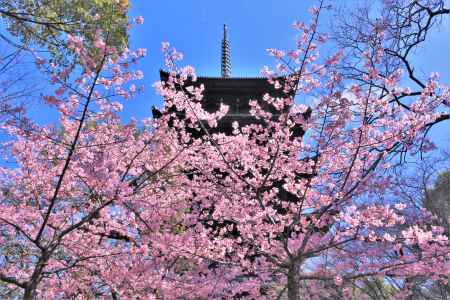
{"x": 235, "y": 92}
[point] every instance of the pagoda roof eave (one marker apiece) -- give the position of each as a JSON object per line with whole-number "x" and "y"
{"x": 165, "y": 74}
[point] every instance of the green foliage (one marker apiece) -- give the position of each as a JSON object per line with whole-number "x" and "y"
{"x": 46, "y": 23}
{"x": 375, "y": 288}
{"x": 437, "y": 200}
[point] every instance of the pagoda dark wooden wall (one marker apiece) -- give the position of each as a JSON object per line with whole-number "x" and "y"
{"x": 236, "y": 94}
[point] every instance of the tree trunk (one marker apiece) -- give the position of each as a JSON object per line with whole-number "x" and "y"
{"x": 293, "y": 284}
{"x": 29, "y": 293}
{"x": 31, "y": 286}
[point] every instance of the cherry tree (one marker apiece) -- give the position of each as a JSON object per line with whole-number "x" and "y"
{"x": 67, "y": 208}
{"x": 286, "y": 207}
{"x": 301, "y": 215}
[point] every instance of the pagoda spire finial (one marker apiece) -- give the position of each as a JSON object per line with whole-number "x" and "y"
{"x": 226, "y": 59}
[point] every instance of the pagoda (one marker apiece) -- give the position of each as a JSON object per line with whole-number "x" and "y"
{"x": 235, "y": 92}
